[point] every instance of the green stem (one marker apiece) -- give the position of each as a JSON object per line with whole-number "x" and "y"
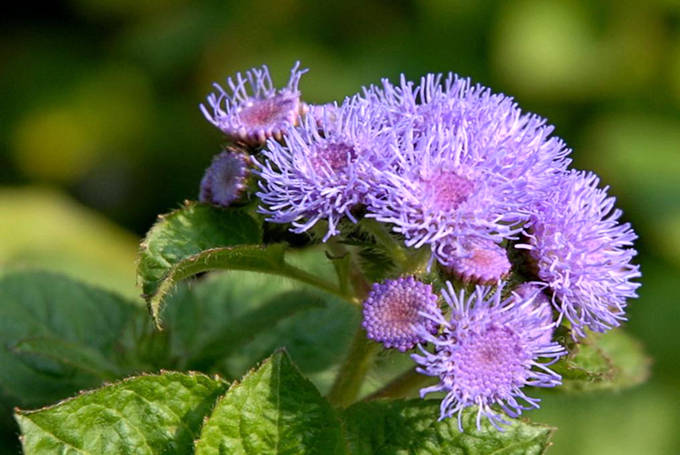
{"x": 353, "y": 371}
{"x": 402, "y": 386}
{"x": 306, "y": 277}
{"x": 354, "y": 275}
{"x": 382, "y": 235}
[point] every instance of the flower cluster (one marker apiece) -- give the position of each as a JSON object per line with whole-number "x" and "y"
{"x": 487, "y": 351}
{"x": 521, "y": 242}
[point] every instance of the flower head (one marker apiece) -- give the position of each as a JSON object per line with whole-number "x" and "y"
{"x": 468, "y": 163}
{"x": 392, "y": 311}
{"x": 438, "y": 194}
{"x": 583, "y": 253}
{"x": 488, "y": 350}
{"x": 225, "y": 179}
{"x": 254, "y": 110}
{"x": 476, "y": 260}
{"x": 321, "y": 170}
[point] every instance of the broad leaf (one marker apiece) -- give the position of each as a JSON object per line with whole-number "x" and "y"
{"x": 199, "y": 238}
{"x": 613, "y": 360}
{"x": 180, "y": 235}
{"x": 274, "y": 410}
{"x": 142, "y": 415}
{"x": 243, "y": 329}
{"x": 405, "y": 427}
{"x": 214, "y": 325}
{"x": 80, "y": 356}
{"x": 57, "y": 336}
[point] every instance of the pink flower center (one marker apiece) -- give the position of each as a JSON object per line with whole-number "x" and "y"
{"x": 491, "y": 362}
{"x": 447, "y": 190}
{"x": 269, "y": 111}
{"x": 333, "y": 156}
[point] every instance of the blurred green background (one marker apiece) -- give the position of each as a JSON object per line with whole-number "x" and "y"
{"x": 100, "y": 131}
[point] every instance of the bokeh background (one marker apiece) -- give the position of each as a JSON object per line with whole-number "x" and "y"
{"x": 100, "y": 131}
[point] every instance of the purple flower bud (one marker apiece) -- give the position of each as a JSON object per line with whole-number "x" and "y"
{"x": 254, "y": 110}
{"x": 225, "y": 180}
{"x": 487, "y": 352}
{"x": 534, "y": 292}
{"x": 393, "y": 309}
{"x": 476, "y": 261}
{"x": 583, "y": 253}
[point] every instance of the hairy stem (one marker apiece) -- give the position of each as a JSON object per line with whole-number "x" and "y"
{"x": 382, "y": 235}
{"x": 353, "y": 370}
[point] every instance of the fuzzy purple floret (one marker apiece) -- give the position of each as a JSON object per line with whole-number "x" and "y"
{"x": 225, "y": 179}
{"x": 583, "y": 253}
{"x": 476, "y": 260}
{"x": 469, "y": 162}
{"x": 322, "y": 169}
{"x": 486, "y": 352}
{"x": 393, "y": 309}
{"x": 253, "y": 110}
{"x": 534, "y": 292}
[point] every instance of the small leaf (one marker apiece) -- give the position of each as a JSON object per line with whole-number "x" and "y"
{"x": 412, "y": 426}
{"x": 142, "y": 415}
{"x": 273, "y": 411}
{"x": 187, "y": 231}
{"x": 199, "y": 238}
{"x": 613, "y": 361}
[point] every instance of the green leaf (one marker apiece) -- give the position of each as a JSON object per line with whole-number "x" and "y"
{"x": 199, "y": 238}
{"x": 64, "y": 352}
{"x": 187, "y": 231}
{"x": 210, "y": 313}
{"x": 609, "y": 361}
{"x": 40, "y": 308}
{"x": 142, "y": 415}
{"x": 273, "y": 411}
{"x": 243, "y": 329}
{"x": 405, "y": 427}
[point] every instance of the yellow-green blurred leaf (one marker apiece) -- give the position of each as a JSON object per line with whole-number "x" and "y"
{"x": 42, "y": 228}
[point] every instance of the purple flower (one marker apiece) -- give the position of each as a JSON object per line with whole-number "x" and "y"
{"x": 438, "y": 194}
{"x": 393, "y": 309}
{"x": 254, "y": 110}
{"x": 583, "y": 253}
{"x": 534, "y": 292}
{"x": 322, "y": 169}
{"x": 476, "y": 260}
{"x": 225, "y": 179}
{"x": 487, "y": 351}
{"x": 468, "y": 163}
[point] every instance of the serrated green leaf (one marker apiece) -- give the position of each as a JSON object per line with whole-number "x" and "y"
{"x": 143, "y": 415}
{"x": 185, "y": 232}
{"x": 274, "y": 410}
{"x": 44, "y": 306}
{"x": 609, "y": 361}
{"x": 412, "y": 427}
{"x": 199, "y": 238}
